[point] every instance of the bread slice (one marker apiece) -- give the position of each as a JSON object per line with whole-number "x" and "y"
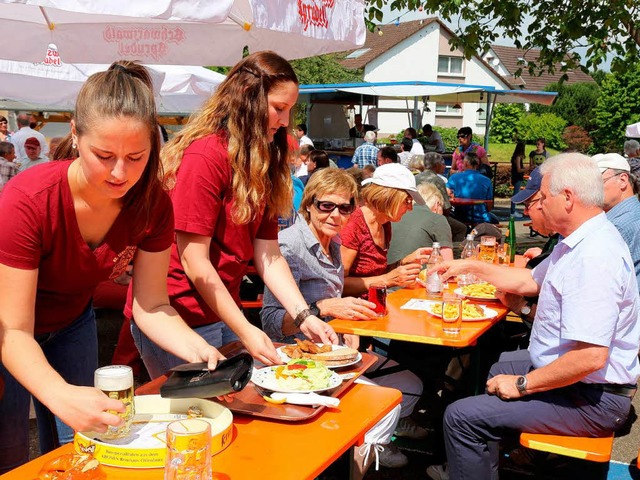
{"x": 335, "y": 358}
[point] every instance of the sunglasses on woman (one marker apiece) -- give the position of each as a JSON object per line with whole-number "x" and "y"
{"x": 329, "y": 207}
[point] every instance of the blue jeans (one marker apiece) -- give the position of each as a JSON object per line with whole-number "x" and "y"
{"x": 159, "y": 361}
{"x": 474, "y": 425}
{"x": 516, "y": 189}
{"x": 73, "y": 353}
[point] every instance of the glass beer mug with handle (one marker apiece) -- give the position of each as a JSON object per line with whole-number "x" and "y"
{"x": 116, "y": 381}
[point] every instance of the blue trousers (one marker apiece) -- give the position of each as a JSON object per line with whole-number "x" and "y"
{"x": 516, "y": 189}
{"x": 73, "y": 353}
{"x": 159, "y": 361}
{"x": 474, "y": 425}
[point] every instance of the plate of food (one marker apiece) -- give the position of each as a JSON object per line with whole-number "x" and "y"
{"x": 297, "y": 376}
{"x": 478, "y": 291}
{"x": 333, "y": 356}
{"x": 471, "y": 312}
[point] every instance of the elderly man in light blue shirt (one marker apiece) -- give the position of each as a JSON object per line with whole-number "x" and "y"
{"x": 621, "y": 202}
{"x": 581, "y": 370}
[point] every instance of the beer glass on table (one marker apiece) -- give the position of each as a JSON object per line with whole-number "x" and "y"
{"x": 116, "y": 381}
{"x": 188, "y": 450}
{"x": 502, "y": 254}
{"x": 487, "y": 252}
{"x": 451, "y": 313}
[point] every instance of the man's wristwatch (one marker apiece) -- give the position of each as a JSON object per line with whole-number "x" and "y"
{"x": 301, "y": 317}
{"x": 525, "y": 311}
{"x": 521, "y": 384}
{"x": 313, "y": 308}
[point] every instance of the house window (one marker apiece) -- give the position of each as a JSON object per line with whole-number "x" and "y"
{"x": 481, "y": 115}
{"x": 451, "y": 65}
{"x": 448, "y": 109}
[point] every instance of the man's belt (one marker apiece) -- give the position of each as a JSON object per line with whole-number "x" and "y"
{"x": 617, "y": 389}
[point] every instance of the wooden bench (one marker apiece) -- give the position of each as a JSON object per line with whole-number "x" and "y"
{"x": 585, "y": 448}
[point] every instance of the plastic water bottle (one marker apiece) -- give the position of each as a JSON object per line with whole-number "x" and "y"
{"x": 434, "y": 284}
{"x": 468, "y": 251}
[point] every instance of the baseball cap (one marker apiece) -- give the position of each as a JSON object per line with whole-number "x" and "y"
{"x": 31, "y": 142}
{"x": 533, "y": 185}
{"x": 611, "y": 160}
{"x": 395, "y": 175}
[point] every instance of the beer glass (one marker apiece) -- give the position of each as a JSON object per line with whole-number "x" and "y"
{"x": 487, "y": 251}
{"x": 116, "y": 381}
{"x": 188, "y": 450}
{"x": 451, "y": 313}
{"x": 378, "y": 295}
{"x": 502, "y": 254}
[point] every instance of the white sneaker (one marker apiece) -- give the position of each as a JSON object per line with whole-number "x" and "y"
{"x": 437, "y": 472}
{"x": 392, "y": 457}
{"x": 517, "y": 215}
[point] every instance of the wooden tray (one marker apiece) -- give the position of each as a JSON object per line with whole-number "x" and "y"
{"x": 249, "y": 402}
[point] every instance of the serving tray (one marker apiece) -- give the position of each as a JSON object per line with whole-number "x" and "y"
{"x": 250, "y": 402}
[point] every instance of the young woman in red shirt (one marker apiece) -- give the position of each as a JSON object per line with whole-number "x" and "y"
{"x": 229, "y": 177}
{"x": 67, "y": 226}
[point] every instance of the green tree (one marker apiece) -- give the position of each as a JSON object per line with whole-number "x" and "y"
{"x": 575, "y": 103}
{"x": 504, "y": 120}
{"x": 547, "y": 125}
{"x": 556, "y": 28}
{"x": 617, "y": 107}
{"x": 324, "y": 69}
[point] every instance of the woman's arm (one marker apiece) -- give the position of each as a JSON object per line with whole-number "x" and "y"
{"x": 520, "y": 165}
{"x": 404, "y": 275}
{"x": 82, "y": 408}
{"x": 274, "y": 270}
{"x": 157, "y": 319}
{"x": 194, "y": 255}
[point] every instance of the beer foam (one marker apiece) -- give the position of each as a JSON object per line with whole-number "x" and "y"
{"x": 114, "y": 378}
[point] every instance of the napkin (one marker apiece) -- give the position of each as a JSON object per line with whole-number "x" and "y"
{"x": 312, "y": 399}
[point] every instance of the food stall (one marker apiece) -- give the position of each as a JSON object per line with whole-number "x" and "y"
{"x": 330, "y": 107}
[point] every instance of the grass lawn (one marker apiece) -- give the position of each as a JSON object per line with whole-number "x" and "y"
{"x": 501, "y": 152}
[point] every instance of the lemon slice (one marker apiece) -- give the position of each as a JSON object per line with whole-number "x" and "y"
{"x": 273, "y": 400}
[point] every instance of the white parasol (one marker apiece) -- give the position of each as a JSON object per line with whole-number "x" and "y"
{"x": 177, "y": 32}
{"x": 633, "y": 131}
{"x": 40, "y": 87}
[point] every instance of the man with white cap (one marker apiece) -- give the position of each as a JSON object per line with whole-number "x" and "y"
{"x": 621, "y": 202}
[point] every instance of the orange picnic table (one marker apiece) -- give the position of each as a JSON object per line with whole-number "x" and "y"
{"x": 417, "y": 325}
{"x": 273, "y": 449}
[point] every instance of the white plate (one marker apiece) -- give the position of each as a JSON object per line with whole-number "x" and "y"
{"x": 286, "y": 358}
{"x": 488, "y": 313}
{"x": 458, "y": 291}
{"x": 265, "y": 378}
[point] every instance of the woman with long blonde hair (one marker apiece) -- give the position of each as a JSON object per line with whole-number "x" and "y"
{"x": 229, "y": 179}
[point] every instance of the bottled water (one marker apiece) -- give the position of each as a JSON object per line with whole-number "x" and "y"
{"x": 468, "y": 252}
{"x": 434, "y": 284}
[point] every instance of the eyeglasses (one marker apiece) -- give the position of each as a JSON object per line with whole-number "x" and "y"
{"x": 531, "y": 203}
{"x": 329, "y": 207}
{"x": 462, "y": 136}
{"x": 604, "y": 180}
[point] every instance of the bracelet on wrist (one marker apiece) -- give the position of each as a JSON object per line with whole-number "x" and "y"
{"x": 301, "y": 317}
